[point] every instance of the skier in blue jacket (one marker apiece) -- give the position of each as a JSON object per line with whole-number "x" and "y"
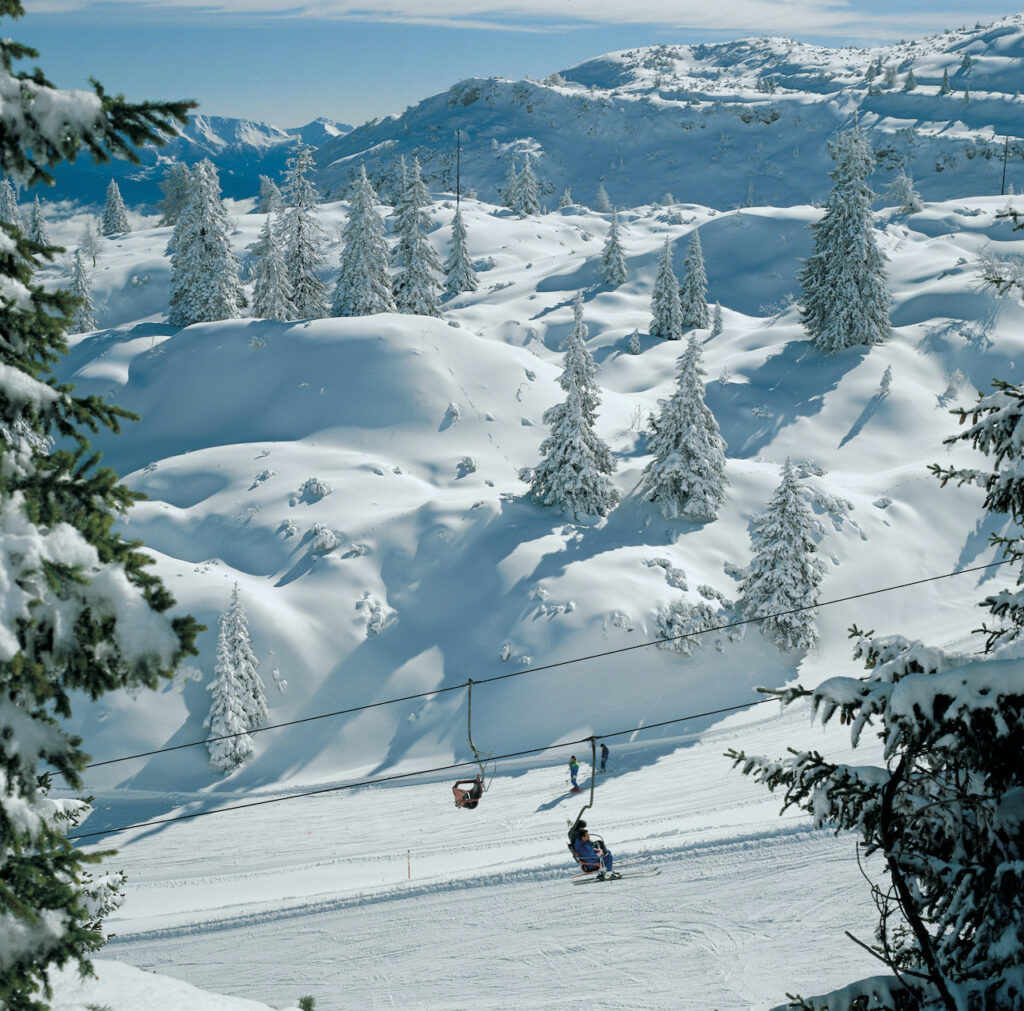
{"x": 594, "y": 858}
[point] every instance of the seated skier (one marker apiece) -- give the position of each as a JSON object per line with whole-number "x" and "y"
{"x": 593, "y": 856}
{"x": 471, "y": 797}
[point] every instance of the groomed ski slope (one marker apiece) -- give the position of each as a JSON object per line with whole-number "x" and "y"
{"x": 312, "y": 895}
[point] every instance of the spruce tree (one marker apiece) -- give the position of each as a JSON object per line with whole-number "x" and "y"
{"x": 270, "y": 199}
{"x": 244, "y": 662}
{"x": 565, "y": 200}
{"x": 272, "y": 291}
{"x": 9, "y": 213}
{"x": 81, "y": 613}
{"x": 845, "y": 300}
{"x": 204, "y": 269}
{"x": 412, "y": 221}
{"x": 693, "y": 292}
{"x": 784, "y": 572}
{"x": 601, "y": 202}
{"x": 303, "y": 256}
{"x": 228, "y": 718}
{"x": 575, "y": 463}
{"x": 666, "y": 311}
{"x": 526, "y": 200}
{"x": 415, "y": 287}
{"x": 175, "y": 186}
{"x": 613, "y": 260}
{"x": 458, "y": 268}
{"x": 84, "y": 317}
{"x": 510, "y": 187}
{"x": 37, "y": 225}
{"x": 686, "y": 475}
{"x": 902, "y": 194}
{"x": 941, "y": 809}
{"x": 716, "y": 320}
{"x": 364, "y": 285}
{"x": 911, "y": 82}
{"x": 945, "y": 88}
{"x": 115, "y": 214}
{"x": 89, "y": 242}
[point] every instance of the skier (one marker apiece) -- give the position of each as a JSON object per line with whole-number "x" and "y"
{"x": 574, "y": 768}
{"x": 604, "y": 756}
{"x": 594, "y": 856}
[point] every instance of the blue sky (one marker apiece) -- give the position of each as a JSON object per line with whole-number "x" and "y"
{"x": 353, "y": 61}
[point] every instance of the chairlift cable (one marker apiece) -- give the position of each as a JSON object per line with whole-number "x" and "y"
{"x": 544, "y": 667}
{"x": 418, "y": 772}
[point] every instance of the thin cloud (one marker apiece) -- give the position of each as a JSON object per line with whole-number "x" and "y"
{"x": 822, "y": 18}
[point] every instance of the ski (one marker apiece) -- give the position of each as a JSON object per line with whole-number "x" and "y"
{"x": 649, "y": 872}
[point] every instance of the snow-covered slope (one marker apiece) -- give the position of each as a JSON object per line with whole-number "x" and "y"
{"x": 722, "y": 124}
{"x": 427, "y": 565}
{"x": 241, "y": 149}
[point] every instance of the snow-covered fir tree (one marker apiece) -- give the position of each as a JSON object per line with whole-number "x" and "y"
{"x": 89, "y": 243}
{"x": 416, "y": 288}
{"x": 270, "y": 199}
{"x": 613, "y": 259}
{"x": 526, "y": 199}
{"x": 115, "y": 214}
{"x": 175, "y": 186}
{"x": 945, "y": 88}
{"x": 271, "y": 290}
{"x": 716, "y": 320}
{"x": 575, "y": 463}
{"x": 911, "y": 82}
{"x": 902, "y": 195}
{"x": 243, "y": 660}
{"x": 303, "y": 256}
{"x": 885, "y": 384}
{"x": 204, "y": 270}
{"x": 602, "y": 203}
{"x": 84, "y": 317}
{"x": 82, "y": 611}
{"x": 412, "y": 221}
{"x": 666, "y": 311}
{"x": 9, "y": 213}
{"x": 634, "y": 343}
{"x": 686, "y": 475}
{"x": 364, "y": 285}
{"x": 36, "y": 230}
{"x": 785, "y": 572}
{"x": 458, "y": 268}
{"x": 509, "y": 187}
{"x": 565, "y": 200}
{"x": 693, "y": 292}
{"x": 941, "y": 810}
{"x": 845, "y": 298}
{"x": 228, "y": 721}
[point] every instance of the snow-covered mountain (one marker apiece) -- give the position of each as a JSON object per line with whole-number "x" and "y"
{"x": 415, "y": 559}
{"x": 241, "y": 149}
{"x": 722, "y": 124}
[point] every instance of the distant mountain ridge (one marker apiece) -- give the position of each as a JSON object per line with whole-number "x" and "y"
{"x": 242, "y": 150}
{"x": 675, "y": 117}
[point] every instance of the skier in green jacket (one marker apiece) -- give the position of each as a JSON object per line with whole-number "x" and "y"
{"x": 574, "y": 768}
